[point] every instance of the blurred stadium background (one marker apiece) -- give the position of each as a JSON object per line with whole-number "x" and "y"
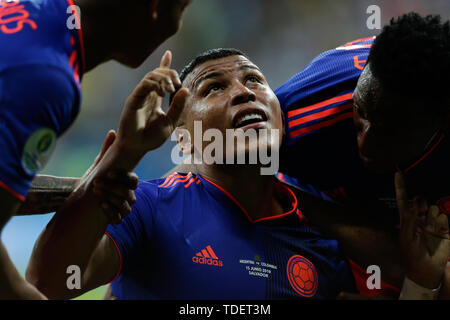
{"x": 280, "y": 36}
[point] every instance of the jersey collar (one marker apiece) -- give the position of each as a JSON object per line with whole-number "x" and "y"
{"x": 280, "y": 189}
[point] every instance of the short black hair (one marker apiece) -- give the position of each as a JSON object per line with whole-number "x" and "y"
{"x": 411, "y": 56}
{"x": 208, "y": 55}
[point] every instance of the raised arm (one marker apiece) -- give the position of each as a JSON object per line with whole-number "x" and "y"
{"x": 76, "y": 234}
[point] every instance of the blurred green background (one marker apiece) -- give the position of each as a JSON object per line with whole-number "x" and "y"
{"x": 281, "y": 37}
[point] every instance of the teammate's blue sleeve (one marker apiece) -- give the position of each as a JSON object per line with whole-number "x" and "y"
{"x": 129, "y": 236}
{"x": 37, "y": 104}
{"x": 318, "y": 109}
{"x": 321, "y": 94}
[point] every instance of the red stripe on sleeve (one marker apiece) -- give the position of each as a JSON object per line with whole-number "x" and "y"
{"x": 317, "y": 116}
{"x": 300, "y": 132}
{"x": 319, "y": 105}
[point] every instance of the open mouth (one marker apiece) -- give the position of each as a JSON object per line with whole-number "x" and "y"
{"x": 249, "y": 118}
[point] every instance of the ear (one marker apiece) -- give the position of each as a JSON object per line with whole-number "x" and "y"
{"x": 153, "y": 9}
{"x": 184, "y": 141}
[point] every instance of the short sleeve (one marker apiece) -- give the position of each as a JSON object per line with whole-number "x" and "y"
{"x": 37, "y": 104}
{"x": 130, "y": 235}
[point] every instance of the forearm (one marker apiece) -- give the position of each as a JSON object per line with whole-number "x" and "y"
{"x": 69, "y": 239}
{"x": 47, "y": 194}
{"x": 73, "y": 235}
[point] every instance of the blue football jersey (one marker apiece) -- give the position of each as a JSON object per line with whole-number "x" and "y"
{"x": 320, "y": 146}
{"x": 41, "y": 65}
{"x": 188, "y": 238}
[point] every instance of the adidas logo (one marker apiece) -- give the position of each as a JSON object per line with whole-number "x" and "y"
{"x": 207, "y": 256}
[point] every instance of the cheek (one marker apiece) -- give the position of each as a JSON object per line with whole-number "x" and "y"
{"x": 210, "y": 113}
{"x": 272, "y": 101}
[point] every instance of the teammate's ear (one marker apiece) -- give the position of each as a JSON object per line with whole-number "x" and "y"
{"x": 153, "y": 9}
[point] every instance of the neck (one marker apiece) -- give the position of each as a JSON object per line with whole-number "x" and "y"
{"x": 97, "y": 25}
{"x": 245, "y": 183}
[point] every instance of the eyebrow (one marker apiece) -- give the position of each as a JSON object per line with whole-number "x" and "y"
{"x": 219, "y": 74}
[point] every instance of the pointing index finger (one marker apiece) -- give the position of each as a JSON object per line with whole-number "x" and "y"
{"x": 166, "y": 60}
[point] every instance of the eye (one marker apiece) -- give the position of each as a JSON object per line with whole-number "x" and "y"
{"x": 253, "y": 78}
{"x": 213, "y": 87}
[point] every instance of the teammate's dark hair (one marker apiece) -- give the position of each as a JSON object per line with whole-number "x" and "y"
{"x": 212, "y": 54}
{"x": 411, "y": 56}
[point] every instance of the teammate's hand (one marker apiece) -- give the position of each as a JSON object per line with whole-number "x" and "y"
{"x": 424, "y": 238}
{"x": 109, "y": 140}
{"x": 115, "y": 191}
{"x": 111, "y": 190}
{"x": 144, "y": 126}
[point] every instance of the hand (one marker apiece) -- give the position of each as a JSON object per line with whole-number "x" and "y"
{"x": 109, "y": 140}
{"x": 424, "y": 238}
{"x": 144, "y": 126}
{"x": 115, "y": 191}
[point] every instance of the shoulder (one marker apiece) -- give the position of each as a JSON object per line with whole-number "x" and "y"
{"x": 36, "y": 78}
{"x": 167, "y": 187}
{"x": 327, "y": 71}
{"x": 30, "y": 86}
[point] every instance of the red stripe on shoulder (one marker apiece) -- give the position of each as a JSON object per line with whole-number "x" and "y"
{"x": 168, "y": 180}
{"x": 320, "y": 115}
{"x": 180, "y": 179}
{"x": 320, "y": 125}
{"x": 358, "y": 41}
{"x": 319, "y": 105}
{"x": 80, "y": 37}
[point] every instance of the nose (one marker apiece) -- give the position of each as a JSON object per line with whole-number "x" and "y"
{"x": 241, "y": 94}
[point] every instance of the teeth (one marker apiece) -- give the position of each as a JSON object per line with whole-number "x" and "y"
{"x": 249, "y": 117}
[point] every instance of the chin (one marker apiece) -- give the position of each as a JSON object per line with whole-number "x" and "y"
{"x": 134, "y": 58}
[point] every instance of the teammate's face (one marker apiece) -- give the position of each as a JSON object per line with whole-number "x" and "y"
{"x": 232, "y": 93}
{"x": 390, "y": 130}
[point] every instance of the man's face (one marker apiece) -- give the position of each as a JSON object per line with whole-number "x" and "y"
{"x": 391, "y": 129}
{"x": 232, "y": 93}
